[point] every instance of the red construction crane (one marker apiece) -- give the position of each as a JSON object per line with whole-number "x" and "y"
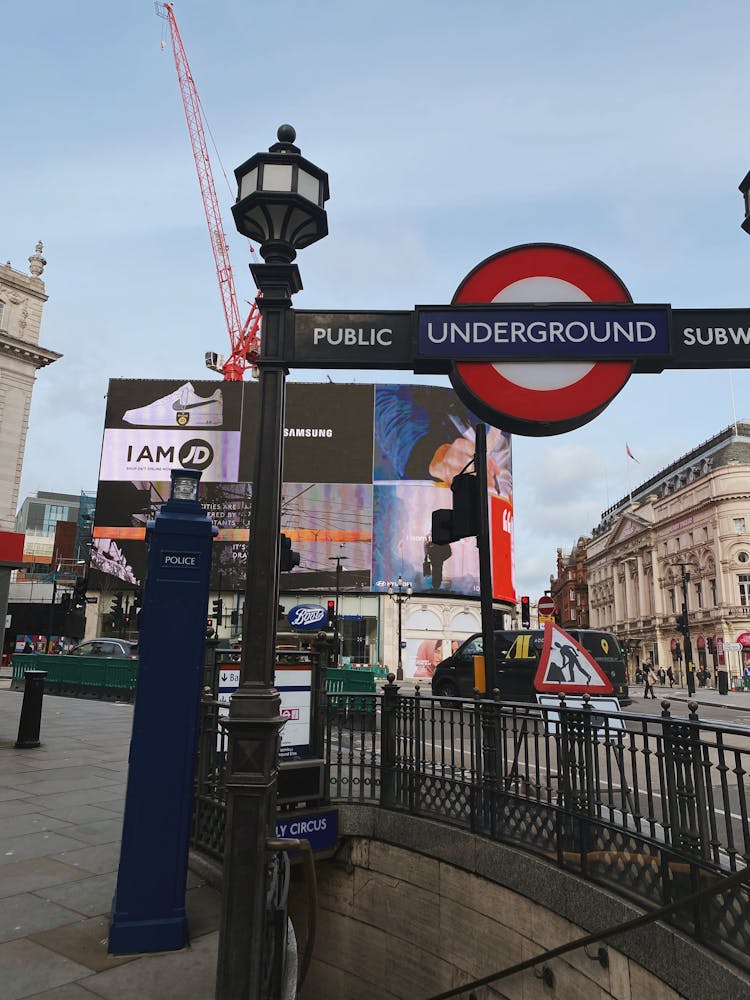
{"x": 243, "y": 337}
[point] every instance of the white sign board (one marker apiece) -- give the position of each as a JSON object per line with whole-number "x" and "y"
{"x": 599, "y": 707}
{"x": 294, "y": 684}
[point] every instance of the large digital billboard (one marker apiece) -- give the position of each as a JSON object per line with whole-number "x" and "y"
{"x": 364, "y": 467}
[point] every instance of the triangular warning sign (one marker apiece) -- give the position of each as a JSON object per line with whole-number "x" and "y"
{"x": 565, "y": 666}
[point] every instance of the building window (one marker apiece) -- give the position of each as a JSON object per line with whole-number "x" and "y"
{"x": 744, "y": 582}
{"x": 671, "y": 600}
{"x": 572, "y": 595}
{"x": 743, "y": 557}
{"x": 699, "y": 594}
{"x": 712, "y": 586}
{"x": 739, "y": 525}
{"x": 2, "y": 307}
{"x": 52, "y": 514}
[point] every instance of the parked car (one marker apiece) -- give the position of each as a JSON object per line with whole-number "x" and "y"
{"x": 517, "y": 659}
{"x": 118, "y": 649}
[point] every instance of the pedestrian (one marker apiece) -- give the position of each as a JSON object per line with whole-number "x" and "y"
{"x": 670, "y": 676}
{"x": 649, "y": 679}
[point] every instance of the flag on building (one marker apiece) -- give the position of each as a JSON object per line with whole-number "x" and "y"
{"x": 629, "y": 453}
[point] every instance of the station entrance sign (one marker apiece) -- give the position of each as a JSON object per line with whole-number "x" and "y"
{"x": 538, "y": 339}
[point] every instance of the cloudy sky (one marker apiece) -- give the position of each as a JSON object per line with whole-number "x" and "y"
{"x": 449, "y": 132}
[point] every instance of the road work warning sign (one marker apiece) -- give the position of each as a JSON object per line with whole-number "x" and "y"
{"x": 565, "y": 666}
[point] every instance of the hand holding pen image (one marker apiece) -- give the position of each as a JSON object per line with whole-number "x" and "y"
{"x": 450, "y": 459}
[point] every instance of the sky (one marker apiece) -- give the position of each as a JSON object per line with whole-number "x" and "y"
{"x": 449, "y": 133}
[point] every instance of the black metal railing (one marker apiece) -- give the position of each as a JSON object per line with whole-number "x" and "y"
{"x": 652, "y": 807}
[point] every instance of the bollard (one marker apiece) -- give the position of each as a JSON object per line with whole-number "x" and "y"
{"x": 31, "y": 709}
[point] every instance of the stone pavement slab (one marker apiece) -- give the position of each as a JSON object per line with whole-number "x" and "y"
{"x": 29, "y": 969}
{"x": 61, "y": 807}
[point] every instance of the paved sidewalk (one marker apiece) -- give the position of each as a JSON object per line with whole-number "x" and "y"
{"x": 738, "y": 700}
{"x": 61, "y": 808}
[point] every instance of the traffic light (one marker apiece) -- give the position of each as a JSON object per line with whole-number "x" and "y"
{"x": 217, "y": 609}
{"x": 525, "y": 613}
{"x": 79, "y": 592}
{"x": 288, "y": 558}
{"x": 116, "y": 608}
{"x": 442, "y": 527}
{"x": 137, "y": 599}
{"x": 463, "y": 521}
{"x": 681, "y": 621}
{"x": 65, "y": 603}
{"x": 331, "y": 614}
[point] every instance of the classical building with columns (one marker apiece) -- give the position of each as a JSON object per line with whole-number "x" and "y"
{"x": 682, "y": 537}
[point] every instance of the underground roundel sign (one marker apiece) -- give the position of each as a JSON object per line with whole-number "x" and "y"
{"x": 540, "y": 398}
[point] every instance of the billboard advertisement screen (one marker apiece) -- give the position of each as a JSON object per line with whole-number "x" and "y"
{"x": 364, "y": 467}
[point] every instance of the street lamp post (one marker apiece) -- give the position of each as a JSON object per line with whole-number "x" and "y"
{"x": 337, "y": 628}
{"x": 279, "y": 206}
{"x": 400, "y": 594}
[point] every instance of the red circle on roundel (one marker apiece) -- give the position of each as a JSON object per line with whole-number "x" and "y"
{"x": 545, "y": 606}
{"x": 504, "y": 393}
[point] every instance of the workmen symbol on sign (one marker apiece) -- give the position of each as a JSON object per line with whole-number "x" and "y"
{"x": 566, "y": 667}
{"x": 571, "y": 663}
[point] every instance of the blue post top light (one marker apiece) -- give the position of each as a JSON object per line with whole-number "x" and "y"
{"x": 183, "y": 504}
{"x": 185, "y": 484}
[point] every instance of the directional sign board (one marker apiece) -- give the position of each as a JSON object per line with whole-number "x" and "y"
{"x": 294, "y": 684}
{"x": 353, "y": 340}
{"x": 565, "y": 666}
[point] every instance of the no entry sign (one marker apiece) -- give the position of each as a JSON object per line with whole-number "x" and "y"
{"x": 545, "y": 606}
{"x": 540, "y": 399}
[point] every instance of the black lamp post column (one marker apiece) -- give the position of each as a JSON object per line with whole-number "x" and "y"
{"x": 255, "y": 721}
{"x": 280, "y": 205}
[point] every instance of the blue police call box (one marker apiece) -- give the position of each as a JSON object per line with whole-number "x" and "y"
{"x": 148, "y": 911}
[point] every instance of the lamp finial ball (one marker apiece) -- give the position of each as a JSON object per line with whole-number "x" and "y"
{"x": 286, "y": 133}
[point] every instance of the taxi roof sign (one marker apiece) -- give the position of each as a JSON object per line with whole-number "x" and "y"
{"x": 565, "y": 667}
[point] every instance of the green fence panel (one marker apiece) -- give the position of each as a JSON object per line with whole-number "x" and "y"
{"x": 89, "y": 674}
{"x": 348, "y": 681}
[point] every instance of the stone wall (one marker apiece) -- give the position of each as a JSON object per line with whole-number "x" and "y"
{"x": 410, "y": 908}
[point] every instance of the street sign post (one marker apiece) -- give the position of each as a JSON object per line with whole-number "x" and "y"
{"x": 545, "y": 606}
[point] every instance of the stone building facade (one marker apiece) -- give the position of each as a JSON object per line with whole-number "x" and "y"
{"x": 569, "y": 589}
{"x": 22, "y": 298}
{"x": 682, "y": 537}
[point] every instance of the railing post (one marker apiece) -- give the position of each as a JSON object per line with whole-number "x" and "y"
{"x": 565, "y": 833}
{"x": 415, "y": 796}
{"x": 388, "y": 743}
{"x": 31, "y": 710}
{"x": 686, "y": 798}
{"x": 477, "y": 799}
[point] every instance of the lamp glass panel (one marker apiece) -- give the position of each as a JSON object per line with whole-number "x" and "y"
{"x": 308, "y": 186}
{"x": 277, "y": 177}
{"x": 249, "y": 183}
{"x": 277, "y": 215}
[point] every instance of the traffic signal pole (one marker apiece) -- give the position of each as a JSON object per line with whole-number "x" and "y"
{"x": 689, "y": 665}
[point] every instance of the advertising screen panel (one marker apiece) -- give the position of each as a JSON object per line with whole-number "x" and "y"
{"x": 364, "y": 467}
